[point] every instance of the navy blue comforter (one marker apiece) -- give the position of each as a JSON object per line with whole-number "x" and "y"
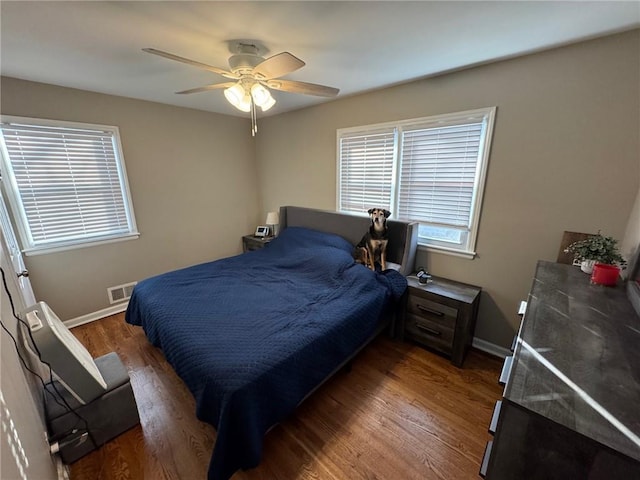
{"x": 251, "y": 335}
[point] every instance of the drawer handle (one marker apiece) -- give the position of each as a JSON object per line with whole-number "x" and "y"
{"x": 493, "y": 426}
{"x": 428, "y": 330}
{"x": 506, "y": 370}
{"x": 485, "y": 459}
{"x": 422, "y": 308}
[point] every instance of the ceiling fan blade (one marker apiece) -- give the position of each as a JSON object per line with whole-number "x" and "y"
{"x": 193, "y": 63}
{"x": 278, "y": 65}
{"x": 303, "y": 87}
{"x": 213, "y": 86}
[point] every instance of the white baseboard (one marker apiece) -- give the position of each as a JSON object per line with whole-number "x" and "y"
{"x": 490, "y": 348}
{"x": 92, "y": 317}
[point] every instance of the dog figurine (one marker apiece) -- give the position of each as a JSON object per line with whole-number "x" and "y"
{"x": 372, "y": 247}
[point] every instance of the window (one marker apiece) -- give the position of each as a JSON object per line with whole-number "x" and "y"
{"x": 66, "y": 183}
{"x": 429, "y": 170}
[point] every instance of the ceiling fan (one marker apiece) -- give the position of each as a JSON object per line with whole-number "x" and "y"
{"x": 253, "y": 76}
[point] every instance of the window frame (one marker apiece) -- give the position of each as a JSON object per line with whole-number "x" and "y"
{"x": 11, "y": 191}
{"x": 485, "y": 116}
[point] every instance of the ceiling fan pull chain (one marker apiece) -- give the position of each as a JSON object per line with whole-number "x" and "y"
{"x": 254, "y": 120}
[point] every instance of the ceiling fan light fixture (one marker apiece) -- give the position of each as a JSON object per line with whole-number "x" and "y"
{"x": 268, "y": 104}
{"x": 245, "y": 103}
{"x": 260, "y": 94}
{"x": 235, "y": 95}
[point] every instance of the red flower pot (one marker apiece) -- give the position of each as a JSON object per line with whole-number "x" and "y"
{"x": 604, "y": 274}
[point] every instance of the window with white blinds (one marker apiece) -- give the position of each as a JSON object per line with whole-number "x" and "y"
{"x": 434, "y": 174}
{"x": 66, "y": 183}
{"x": 366, "y": 170}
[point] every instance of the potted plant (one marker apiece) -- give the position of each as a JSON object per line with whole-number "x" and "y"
{"x": 599, "y": 256}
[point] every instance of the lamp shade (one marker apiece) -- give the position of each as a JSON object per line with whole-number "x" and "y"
{"x": 245, "y": 104}
{"x": 260, "y": 94}
{"x": 234, "y": 94}
{"x": 273, "y": 218}
{"x": 268, "y": 104}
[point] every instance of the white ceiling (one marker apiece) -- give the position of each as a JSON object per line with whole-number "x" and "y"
{"x": 354, "y": 46}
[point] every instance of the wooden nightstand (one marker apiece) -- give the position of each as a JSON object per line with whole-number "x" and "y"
{"x": 441, "y": 315}
{"x": 251, "y": 242}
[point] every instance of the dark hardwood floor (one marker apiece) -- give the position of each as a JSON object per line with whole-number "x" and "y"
{"x": 401, "y": 413}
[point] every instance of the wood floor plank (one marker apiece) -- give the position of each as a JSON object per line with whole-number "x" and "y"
{"x": 402, "y": 412}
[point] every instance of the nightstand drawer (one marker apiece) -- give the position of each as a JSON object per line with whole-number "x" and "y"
{"x": 250, "y": 247}
{"x": 429, "y": 333}
{"x": 435, "y": 312}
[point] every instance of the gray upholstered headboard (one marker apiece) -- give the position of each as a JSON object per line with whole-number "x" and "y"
{"x": 403, "y": 236}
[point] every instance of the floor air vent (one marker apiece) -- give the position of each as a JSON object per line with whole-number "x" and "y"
{"x": 120, "y": 293}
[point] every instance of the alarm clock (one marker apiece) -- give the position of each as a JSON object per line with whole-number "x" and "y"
{"x": 261, "y": 231}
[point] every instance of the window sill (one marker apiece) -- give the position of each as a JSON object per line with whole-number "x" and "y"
{"x": 62, "y": 248}
{"x": 447, "y": 251}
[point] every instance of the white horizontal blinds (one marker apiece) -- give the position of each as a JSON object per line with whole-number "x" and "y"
{"x": 366, "y": 170}
{"x": 68, "y": 181}
{"x": 438, "y": 174}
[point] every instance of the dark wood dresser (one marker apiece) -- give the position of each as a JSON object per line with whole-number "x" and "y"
{"x": 571, "y": 403}
{"x": 441, "y": 315}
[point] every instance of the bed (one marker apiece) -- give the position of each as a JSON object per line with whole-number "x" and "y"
{"x": 253, "y": 335}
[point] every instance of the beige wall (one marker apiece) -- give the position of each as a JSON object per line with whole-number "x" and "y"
{"x": 564, "y": 157}
{"x": 192, "y": 176}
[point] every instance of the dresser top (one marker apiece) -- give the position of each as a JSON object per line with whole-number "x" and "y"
{"x": 577, "y": 360}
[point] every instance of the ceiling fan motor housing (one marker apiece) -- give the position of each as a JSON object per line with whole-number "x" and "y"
{"x": 245, "y": 60}
{"x": 243, "y": 64}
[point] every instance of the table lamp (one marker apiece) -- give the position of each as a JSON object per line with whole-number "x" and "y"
{"x": 273, "y": 220}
